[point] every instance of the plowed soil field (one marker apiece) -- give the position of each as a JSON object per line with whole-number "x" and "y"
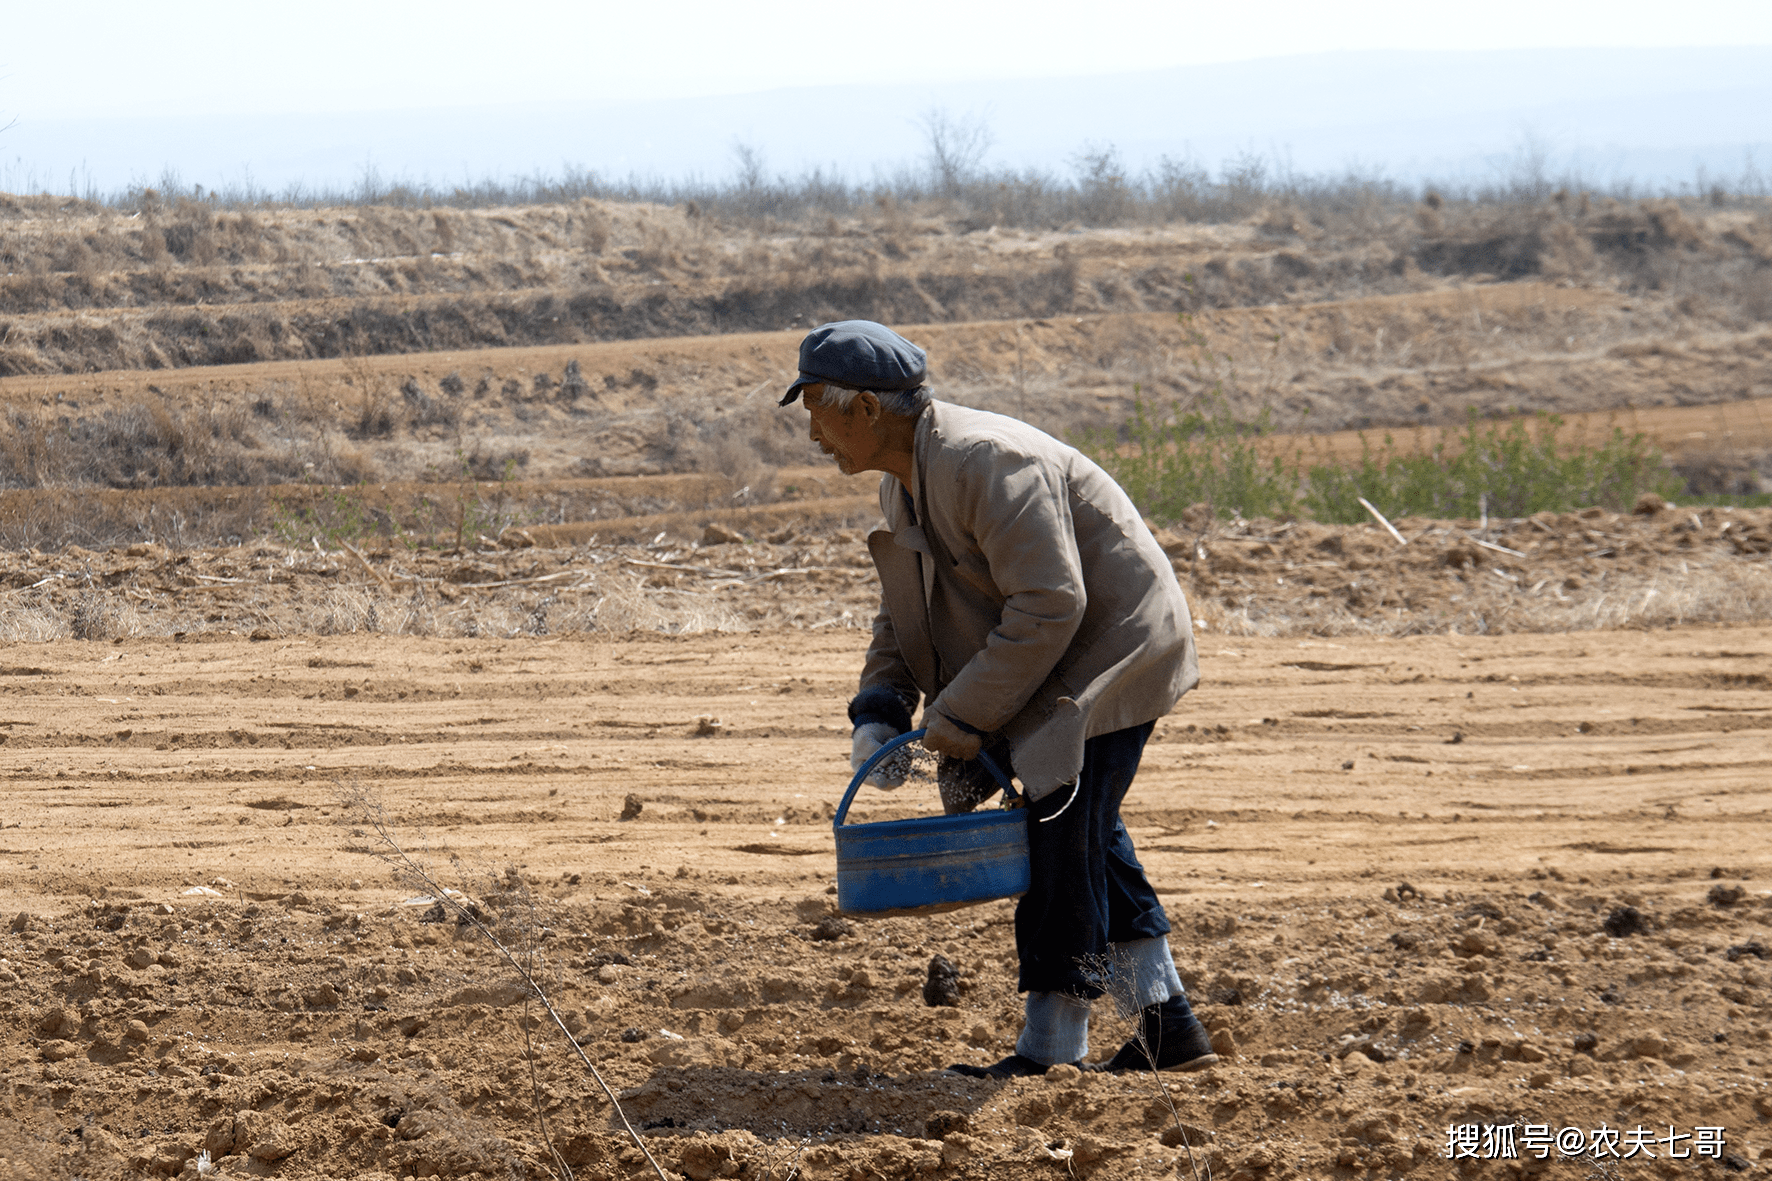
{"x": 1417, "y": 883}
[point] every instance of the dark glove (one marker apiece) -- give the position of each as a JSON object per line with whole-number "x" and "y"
{"x": 880, "y": 703}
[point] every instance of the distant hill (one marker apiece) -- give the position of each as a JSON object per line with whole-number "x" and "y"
{"x": 1657, "y": 116}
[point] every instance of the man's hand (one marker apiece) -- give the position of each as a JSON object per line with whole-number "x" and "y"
{"x": 868, "y": 738}
{"x": 945, "y": 738}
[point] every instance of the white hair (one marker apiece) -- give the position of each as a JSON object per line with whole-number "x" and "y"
{"x": 904, "y": 403}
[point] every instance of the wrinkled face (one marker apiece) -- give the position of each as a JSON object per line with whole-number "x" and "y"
{"x": 849, "y": 438}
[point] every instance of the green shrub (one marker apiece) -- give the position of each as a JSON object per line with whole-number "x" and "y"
{"x": 1195, "y": 457}
{"x": 1508, "y": 470}
{"x": 1511, "y": 470}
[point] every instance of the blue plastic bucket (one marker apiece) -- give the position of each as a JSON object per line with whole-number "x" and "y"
{"x": 931, "y": 863}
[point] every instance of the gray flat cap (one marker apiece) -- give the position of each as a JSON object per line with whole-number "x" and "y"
{"x": 860, "y": 355}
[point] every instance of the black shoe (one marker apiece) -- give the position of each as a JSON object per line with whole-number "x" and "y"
{"x": 1174, "y": 1035}
{"x": 1014, "y": 1066}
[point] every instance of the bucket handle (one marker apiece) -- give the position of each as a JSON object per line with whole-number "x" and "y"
{"x": 867, "y": 768}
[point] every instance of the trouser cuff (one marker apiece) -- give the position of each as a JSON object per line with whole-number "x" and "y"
{"x": 1144, "y": 974}
{"x": 1057, "y": 1029}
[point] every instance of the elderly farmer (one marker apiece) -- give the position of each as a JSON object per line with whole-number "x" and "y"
{"x": 1028, "y": 607}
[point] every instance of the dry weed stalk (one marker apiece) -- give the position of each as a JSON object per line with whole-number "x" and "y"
{"x": 366, "y": 808}
{"x": 1168, "y": 1099}
{"x": 1126, "y": 984}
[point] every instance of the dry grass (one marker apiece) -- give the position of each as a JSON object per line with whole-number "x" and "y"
{"x": 628, "y": 605}
{"x": 611, "y": 603}
{"x": 405, "y": 515}
{"x": 30, "y": 622}
{"x": 97, "y": 614}
{"x": 160, "y": 442}
{"x": 616, "y": 600}
{"x": 1737, "y": 593}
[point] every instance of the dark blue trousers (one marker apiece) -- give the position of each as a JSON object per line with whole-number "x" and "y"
{"x": 1088, "y": 888}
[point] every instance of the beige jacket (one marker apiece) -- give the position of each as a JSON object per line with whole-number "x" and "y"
{"x": 1022, "y": 594}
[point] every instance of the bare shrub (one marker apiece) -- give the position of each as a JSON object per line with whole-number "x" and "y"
{"x": 1568, "y": 254}
{"x": 143, "y": 444}
{"x": 416, "y": 616}
{"x": 736, "y": 458}
{"x": 1103, "y": 196}
{"x": 90, "y": 617}
{"x": 955, "y": 147}
{"x": 375, "y": 414}
{"x": 485, "y": 462}
{"x": 573, "y": 385}
{"x": 188, "y": 234}
{"x": 344, "y": 465}
{"x": 425, "y": 410}
{"x": 27, "y": 450}
{"x": 622, "y": 604}
{"x": 593, "y": 226}
{"x": 537, "y": 623}
{"x": 155, "y": 444}
{"x": 21, "y": 359}
{"x": 153, "y": 245}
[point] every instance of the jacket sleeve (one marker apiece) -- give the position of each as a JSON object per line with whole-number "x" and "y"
{"x": 1017, "y": 510}
{"x": 885, "y": 666}
{"x": 885, "y": 669}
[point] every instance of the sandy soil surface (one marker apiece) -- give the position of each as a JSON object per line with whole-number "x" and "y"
{"x": 1416, "y": 882}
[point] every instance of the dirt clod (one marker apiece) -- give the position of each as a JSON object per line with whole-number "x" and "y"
{"x": 1624, "y": 921}
{"x": 1721, "y": 895}
{"x": 831, "y": 928}
{"x": 943, "y": 1123}
{"x": 718, "y": 534}
{"x": 631, "y": 807}
{"x": 58, "y": 1050}
{"x": 1648, "y": 504}
{"x": 704, "y": 1159}
{"x": 263, "y": 1137}
{"x": 942, "y": 987}
{"x": 1033, "y": 1111}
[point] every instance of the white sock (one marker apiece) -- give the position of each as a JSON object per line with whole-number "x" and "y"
{"x": 1144, "y": 974}
{"x": 1057, "y": 1029}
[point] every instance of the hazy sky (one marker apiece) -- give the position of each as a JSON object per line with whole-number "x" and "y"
{"x": 71, "y": 59}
